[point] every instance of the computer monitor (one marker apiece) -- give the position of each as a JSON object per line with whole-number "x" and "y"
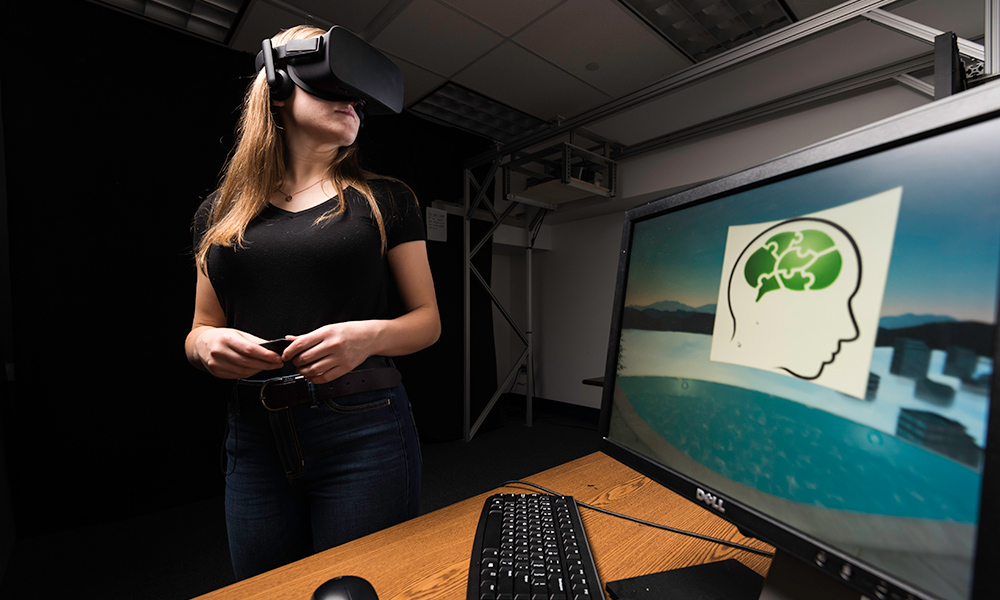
{"x": 806, "y": 348}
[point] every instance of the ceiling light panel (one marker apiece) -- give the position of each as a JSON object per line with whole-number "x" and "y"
{"x": 468, "y": 110}
{"x": 212, "y": 19}
{"x": 704, "y": 28}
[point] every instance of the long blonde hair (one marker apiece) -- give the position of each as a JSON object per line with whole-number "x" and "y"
{"x": 256, "y": 168}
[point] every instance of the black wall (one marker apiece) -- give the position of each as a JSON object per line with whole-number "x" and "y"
{"x": 114, "y": 130}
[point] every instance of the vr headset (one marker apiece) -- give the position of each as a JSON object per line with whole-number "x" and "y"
{"x": 337, "y": 65}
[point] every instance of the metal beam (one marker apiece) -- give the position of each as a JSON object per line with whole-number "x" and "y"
{"x": 471, "y": 432}
{"x": 919, "y": 31}
{"x": 898, "y": 72}
{"x": 482, "y": 190}
{"x": 499, "y": 305}
{"x": 850, "y": 10}
{"x": 916, "y": 84}
{"x": 817, "y": 94}
{"x": 992, "y": 44}
{"x": 469, "y": 425}
{"x": 532, "y": 202}
{"x": 493, "y": 228}
{"x": 467, "y": 308}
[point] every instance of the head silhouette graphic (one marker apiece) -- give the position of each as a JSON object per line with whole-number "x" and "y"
{"x": 790, "y": 295}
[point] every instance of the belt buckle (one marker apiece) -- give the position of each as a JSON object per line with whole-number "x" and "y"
{"x": 263, "y": 387}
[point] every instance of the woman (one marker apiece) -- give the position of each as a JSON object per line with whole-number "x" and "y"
{"x": 300, "y": 243}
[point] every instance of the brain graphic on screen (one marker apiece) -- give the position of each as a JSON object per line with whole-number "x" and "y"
{"x": 793, "y": 260}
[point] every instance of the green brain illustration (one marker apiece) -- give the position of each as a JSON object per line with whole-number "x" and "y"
{"x": 798, "y": 261}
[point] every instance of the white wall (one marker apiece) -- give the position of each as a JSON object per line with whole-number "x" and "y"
{"x": 574, "y": 282}
{"x": 574, "y": 296}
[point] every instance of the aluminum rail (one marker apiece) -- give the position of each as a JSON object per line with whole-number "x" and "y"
{"x": 923, "y": 33}
{"x": 897, "y": 71}
{"x": 992, "y": 45}
{"x": 848, "y": 11}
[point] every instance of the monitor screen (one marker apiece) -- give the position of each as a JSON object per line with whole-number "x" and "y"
{"x": 807, "y": 348}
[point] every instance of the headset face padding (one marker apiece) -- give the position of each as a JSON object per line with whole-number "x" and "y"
{"x": 335, "y": 66}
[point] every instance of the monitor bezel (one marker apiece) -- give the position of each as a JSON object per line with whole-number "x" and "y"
{"x": 955, "y": 112}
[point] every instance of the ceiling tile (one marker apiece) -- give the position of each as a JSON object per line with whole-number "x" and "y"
{"x": 263, "y": 20}
{"x": 512, "y": 75}
{"x": 417, "y": 82}
{"x": 436, "y": 37}
{"x": 508, "y": 16}
{"x": 802, "y": 9}
{"x": 603, "y": 44}
{"x": 351, "y": 14}
{"x": 966, "y": 18}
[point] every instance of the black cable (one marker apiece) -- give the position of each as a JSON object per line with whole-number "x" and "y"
{"x": 649, "y": 523}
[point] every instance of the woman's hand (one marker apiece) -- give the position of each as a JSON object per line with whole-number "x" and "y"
{"x": 232, "y": 354}
{"x": 332, "y": 350}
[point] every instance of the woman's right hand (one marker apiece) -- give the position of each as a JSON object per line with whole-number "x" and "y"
{"x": 232, "y": 354}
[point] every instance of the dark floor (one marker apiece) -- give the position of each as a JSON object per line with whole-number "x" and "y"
{"x": 182, "y": 553}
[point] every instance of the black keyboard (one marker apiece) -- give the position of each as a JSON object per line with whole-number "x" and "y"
{"x": 532, "y": 547}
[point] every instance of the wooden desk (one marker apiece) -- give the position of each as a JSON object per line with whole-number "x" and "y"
{"x": 428, "y": 557}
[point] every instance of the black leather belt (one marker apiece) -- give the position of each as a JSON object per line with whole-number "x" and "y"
{"x": 376, "y": 373}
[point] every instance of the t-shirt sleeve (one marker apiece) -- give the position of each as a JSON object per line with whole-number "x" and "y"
{"x": 404, "y": 219}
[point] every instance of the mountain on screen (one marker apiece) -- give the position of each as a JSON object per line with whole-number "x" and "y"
{"x": 670, "y": 316}
{"x": 671, "y": 306}
{"x": 936, "y": 331}
{"x": 912, "y": 320}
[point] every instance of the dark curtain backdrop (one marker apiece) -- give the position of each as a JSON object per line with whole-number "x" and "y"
{"x": 429, "y": 158}
{"x": 114, "y": 130}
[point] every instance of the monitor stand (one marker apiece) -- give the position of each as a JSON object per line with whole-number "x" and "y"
{"x": 787, "y": 579}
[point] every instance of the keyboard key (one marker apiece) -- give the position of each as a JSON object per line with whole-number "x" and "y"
{"x": 488, "y": 590}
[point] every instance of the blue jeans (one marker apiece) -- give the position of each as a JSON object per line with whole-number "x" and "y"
{"x": 307, "y": 478}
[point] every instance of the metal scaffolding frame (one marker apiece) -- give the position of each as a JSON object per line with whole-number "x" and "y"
{"x": 511, "y": 156}
{"x": 553, "y": 165}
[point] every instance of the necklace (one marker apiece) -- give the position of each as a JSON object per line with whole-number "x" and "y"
{"x": 288, "y": 197}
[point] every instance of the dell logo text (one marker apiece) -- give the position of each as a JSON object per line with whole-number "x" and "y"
{"x": 711, "y": 500}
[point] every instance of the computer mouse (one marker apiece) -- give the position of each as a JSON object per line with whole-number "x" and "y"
{"x": 348, "y": 587}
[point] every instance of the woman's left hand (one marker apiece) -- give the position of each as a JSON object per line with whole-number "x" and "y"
{"x": 332, "y": 350}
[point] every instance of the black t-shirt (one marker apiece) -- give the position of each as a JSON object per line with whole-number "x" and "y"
{"x": 293, "y": 276}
